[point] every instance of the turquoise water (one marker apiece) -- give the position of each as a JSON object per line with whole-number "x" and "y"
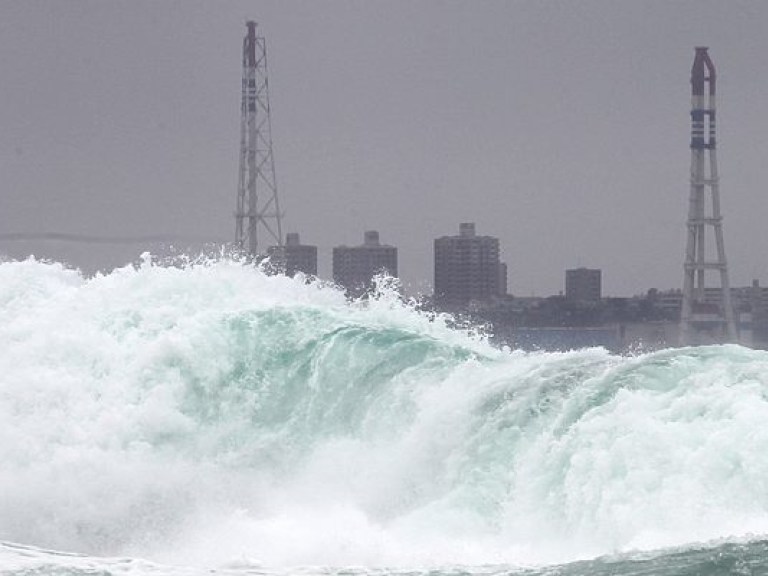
{"x": 180, "y": 419}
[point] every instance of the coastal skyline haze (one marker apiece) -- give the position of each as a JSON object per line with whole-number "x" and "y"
{"x": 562, "y": 128}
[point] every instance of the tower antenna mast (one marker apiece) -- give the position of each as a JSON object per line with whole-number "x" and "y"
{"x": 257, "y": 203}
{"x": 698, "y": 316}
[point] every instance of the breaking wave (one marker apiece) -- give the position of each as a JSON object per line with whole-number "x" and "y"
{"x": 207, "y": 413}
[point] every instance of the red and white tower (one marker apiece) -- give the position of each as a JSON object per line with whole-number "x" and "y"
{"x": 704, "y": 317}
{"x": 257, "y": 203}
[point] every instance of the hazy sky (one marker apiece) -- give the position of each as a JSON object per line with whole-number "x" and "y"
{"x": 560, "y": 127}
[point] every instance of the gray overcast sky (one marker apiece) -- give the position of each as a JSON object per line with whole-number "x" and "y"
{"x": 560, "y": 127}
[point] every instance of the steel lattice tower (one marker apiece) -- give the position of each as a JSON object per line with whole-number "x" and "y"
{"x": 698, "y": 315}
{"x": 257, "y": 203}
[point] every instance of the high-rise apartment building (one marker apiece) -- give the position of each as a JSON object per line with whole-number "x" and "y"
{"x": 583, "y": 285}
{"x": 293, "y": 256}
{"x": 355, "y": 266}
{"x": 467, "y": 269}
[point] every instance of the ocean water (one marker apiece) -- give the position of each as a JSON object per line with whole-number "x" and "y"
{"x": 198, "y": 418}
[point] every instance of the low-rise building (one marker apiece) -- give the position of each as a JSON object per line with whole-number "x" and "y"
{"x": 354, "y": 267}
{"x": 583, "y": 285}
{"x": 293, "y": 256}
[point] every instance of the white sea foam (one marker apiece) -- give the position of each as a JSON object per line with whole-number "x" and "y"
{"x": 208, "y": 414}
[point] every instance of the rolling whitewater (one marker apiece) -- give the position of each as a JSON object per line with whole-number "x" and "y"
{"x": 207, "y": 418}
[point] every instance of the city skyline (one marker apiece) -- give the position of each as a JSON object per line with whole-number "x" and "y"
{"x": 561, "y": 129}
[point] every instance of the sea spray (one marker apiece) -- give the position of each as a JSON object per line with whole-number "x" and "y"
{"x": 208, "y": 413}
